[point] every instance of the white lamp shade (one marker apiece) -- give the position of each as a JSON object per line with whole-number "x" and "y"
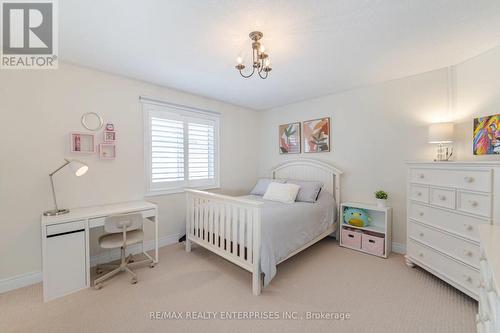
{"x": 441, "y": 133}
{"x": 78, "y": 168}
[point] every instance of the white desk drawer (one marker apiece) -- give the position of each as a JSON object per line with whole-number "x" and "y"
{"x": 475, "y": 180}
{"x": 99, "y": 221}
{"x": 474, "y": 203}
{"x": 96, "y": 222}
{"x": 148, "y": 213}
{"x": 62, "y": 228}
{"x": 442, "y": 198}
{"x": 454, "y": 247}
{"x": 465, "y": 226}
{"x": 419, "y": 193}
{"x": 457, "y": 272}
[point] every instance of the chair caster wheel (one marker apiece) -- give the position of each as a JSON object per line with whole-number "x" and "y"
{"x": 152, "y": 265}
{"x": 133, "y": 280}
{"x": 98, "y": 286}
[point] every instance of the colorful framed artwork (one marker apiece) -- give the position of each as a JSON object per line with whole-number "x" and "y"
{"x": 316, "y": 134}
{"x": 289, "y": 138}
{"x": 486, "y": 135}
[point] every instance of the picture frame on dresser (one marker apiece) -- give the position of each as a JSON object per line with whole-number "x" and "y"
{"x": 446, "y": 204}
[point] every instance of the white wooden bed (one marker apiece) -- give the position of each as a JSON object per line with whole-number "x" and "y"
{"x": 231, "y": 226}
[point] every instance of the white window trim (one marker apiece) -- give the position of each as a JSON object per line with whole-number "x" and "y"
{"x": 154, "y": 106}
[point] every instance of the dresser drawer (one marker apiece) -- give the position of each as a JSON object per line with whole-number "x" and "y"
{"x": 462, "y": 225}
{"x": 475, "y": 180}
{"x": 457, "y": 248}
{"x": 455, "y": 271}
{"x": 442, "y": 198}
{"x": 419, "y": 193}
{"x": 474, "y": 203}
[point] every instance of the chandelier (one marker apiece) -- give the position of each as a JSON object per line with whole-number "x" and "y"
{"x": 260, "y": 59}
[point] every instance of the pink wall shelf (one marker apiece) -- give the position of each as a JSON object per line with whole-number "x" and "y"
{"x": 107, "y": 151}
{"x": 109, "y": 136}
{"x": 82, "y": 143}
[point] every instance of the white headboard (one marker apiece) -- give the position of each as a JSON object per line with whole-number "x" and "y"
{"x": 308, "y": 169}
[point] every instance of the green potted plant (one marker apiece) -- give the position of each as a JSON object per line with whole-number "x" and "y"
{"x": 381, "y": 197}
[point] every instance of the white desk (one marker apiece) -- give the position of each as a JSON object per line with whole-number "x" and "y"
{"x": 66, "y": 248}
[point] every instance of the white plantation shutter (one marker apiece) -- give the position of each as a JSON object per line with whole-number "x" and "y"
{"x": 201, "y": 150}
{"x": 167, "y": 150}
{"x": 181, "y": 148}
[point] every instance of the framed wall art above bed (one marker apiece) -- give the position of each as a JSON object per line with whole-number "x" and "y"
{"x": 316, "y": 134}
{"x": 289, "y": 138}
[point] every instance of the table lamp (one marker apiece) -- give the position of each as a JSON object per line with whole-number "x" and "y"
{"x": 442, "y": 134}
{"x": 79, "y": 169}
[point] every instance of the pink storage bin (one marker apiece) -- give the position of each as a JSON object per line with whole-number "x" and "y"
{"x": 351, "y": 238}
{"x": 373, "y": 244}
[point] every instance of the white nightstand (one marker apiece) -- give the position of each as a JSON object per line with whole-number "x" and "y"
{"x": 374, "y": 239}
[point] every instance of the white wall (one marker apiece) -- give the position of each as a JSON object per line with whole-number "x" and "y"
{"x": 40, "y": 108}
{"x": 478, "y": 94}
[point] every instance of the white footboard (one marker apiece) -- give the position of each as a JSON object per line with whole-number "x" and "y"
{"x": 227, "y": 226}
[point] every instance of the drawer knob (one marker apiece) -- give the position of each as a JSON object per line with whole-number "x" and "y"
{"x": 421, "y": 176}
{"x": 421, "y": 255}
{"x": 442, "y": 197}
{"x": 468, "y": 227}
{"x": 469, "y": 179}
{"x": 468, "y": 253}
{"x": 473, "y": 203}
{"x": 419, "y": 194}
{"x": 421, "y": 234}
{"x": 467, "y": 278}
{"x": 420, "y": 213}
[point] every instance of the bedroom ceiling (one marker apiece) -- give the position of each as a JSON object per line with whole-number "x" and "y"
{"x": 317, "y": 47}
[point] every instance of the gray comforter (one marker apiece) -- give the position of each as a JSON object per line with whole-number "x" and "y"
{"x": 287, "y": 227}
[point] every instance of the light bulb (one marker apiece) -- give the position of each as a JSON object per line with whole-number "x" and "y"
{"x": 239, "y": 60}
{"x": 267, "y": 62}
{"x": 262, "y": 49}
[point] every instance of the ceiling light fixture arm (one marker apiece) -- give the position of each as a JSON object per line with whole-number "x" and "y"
{"x": 260, "y": 61}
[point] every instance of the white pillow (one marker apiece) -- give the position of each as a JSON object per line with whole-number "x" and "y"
{"x": 285, "y": 193}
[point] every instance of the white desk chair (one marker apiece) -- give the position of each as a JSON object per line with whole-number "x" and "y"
{"x": 122, "y": 231}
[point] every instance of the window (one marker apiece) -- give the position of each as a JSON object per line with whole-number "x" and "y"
{"x": 181, "y": 148}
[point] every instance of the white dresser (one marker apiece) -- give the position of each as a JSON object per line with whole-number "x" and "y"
{"x": 488, "y": 317}
{"x": 447, "y": 201}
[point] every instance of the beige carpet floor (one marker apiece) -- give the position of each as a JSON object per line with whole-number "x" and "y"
{"x": 379, "y": 295}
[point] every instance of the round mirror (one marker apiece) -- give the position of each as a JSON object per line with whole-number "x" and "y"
{"x": 92, "y": 121}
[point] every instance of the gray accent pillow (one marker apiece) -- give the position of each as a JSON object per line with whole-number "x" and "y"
{"x": 309, "y": 190}
{"x": 262, "y": 184}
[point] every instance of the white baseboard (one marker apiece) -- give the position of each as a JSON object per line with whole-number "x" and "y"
{"x": 399, "y": 248}
{"x": 111, "y": 255}
{"x": 28, "y": 279}
{"x": 20, "y": 281}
